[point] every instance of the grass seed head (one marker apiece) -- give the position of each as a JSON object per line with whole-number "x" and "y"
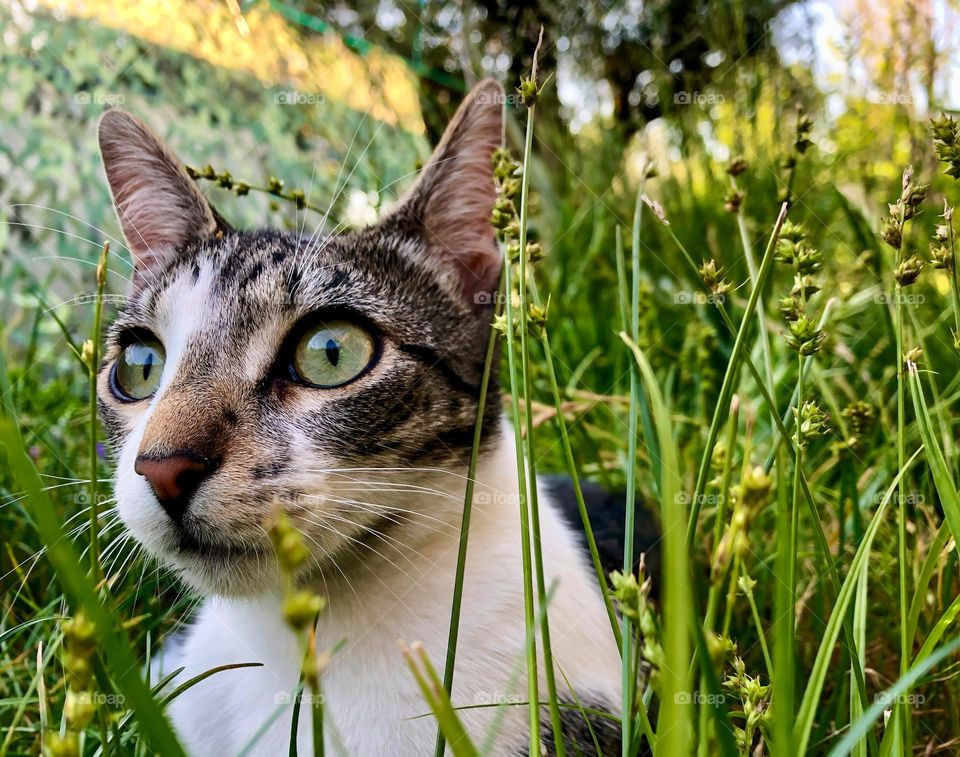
{"x": 790, "y": 308}
{"x": 804, "y": 286}
{"x": 755, "y": 488}
{"x": 737, "y": 166}
{"x": 940, "y": 257}
{"x": 288, "y": 544}
{"x": 804, "y": 336}
{"x": 78, "y": 709}
{"x": 908, "y": 271}
{"x": 811, "y": 423}
{"x": 802, "y": 141}
{"x": 732, "y": 201}
{"x": 891, "y": 233}
{"x": 528, "y": 91}
{"x": 61, "y": 744}
{"x": 712, "y": 274}
{"x": 301, "y": 607}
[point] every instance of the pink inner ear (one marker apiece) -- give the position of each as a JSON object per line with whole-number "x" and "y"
{"x": 458, "y": 225}
{"x": 459, "y": 192}
{"x": 159, "y": 206}
{"x": 144, "y": 212}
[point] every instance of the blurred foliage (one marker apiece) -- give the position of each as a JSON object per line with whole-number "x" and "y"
{"x": 261, "y": 42}
{"x": 644, "y": 53}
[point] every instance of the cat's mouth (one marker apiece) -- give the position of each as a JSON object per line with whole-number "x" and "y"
{"x": 188, "y": 544}
{"x": 220, "y": 566}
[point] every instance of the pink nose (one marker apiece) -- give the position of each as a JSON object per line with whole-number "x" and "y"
{"x": 174, "y": 479}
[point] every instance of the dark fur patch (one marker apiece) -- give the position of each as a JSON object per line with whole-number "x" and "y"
{"x": 606, "y": 511}
{"x": 584, "y": 733}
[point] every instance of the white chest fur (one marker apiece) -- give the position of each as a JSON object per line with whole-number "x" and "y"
{"x": 372, "y": 704}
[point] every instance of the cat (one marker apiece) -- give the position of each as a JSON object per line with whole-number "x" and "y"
{"x": 336, "y": 378}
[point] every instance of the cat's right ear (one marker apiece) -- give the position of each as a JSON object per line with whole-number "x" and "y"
{"x": 453, "y": 199}
{"x": 160, "y": 207}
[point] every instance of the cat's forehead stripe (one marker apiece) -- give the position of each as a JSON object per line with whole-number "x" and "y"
{"x": 227, "y": 305}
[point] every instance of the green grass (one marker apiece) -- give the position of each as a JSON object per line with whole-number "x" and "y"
{"x": 810, "y": 581}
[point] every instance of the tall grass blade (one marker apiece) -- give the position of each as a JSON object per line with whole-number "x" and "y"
{"x": 571, "y": 464}
{"x": 528, "y": 438}
{"x": 436, "y": 697}
{"x": 457, "y": 602}
{"x": 949, "y": 498}
{"x": 675, "y": 723}
{"x": 818, "y": 674}
{"x": 81, "y": 593}
{"x": 895, "y": 693}
{"x": 93, "y": 366}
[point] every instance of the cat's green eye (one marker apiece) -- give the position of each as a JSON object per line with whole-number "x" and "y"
{"x": 137, "y": 372}
{"x": 332, "y": 353}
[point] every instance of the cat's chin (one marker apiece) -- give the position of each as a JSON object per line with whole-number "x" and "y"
{"x": 224, "y": 571}
{"x": 215, "y": 568}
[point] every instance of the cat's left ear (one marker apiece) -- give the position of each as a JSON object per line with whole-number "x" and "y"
{"x": 453, "y": 200}
{"x": 161, "y": 209}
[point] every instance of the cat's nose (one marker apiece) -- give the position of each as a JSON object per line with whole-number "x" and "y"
{"x": 174, "y": 478}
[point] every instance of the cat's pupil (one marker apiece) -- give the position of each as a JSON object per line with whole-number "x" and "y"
{"x": 147, "y": 366}
{"x": 333, "y": 352}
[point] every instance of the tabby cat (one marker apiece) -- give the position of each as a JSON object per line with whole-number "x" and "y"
{"x": 336, "y": 378}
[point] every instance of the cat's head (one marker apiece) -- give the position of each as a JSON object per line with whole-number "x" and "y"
{"x": 251, "y": 371}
